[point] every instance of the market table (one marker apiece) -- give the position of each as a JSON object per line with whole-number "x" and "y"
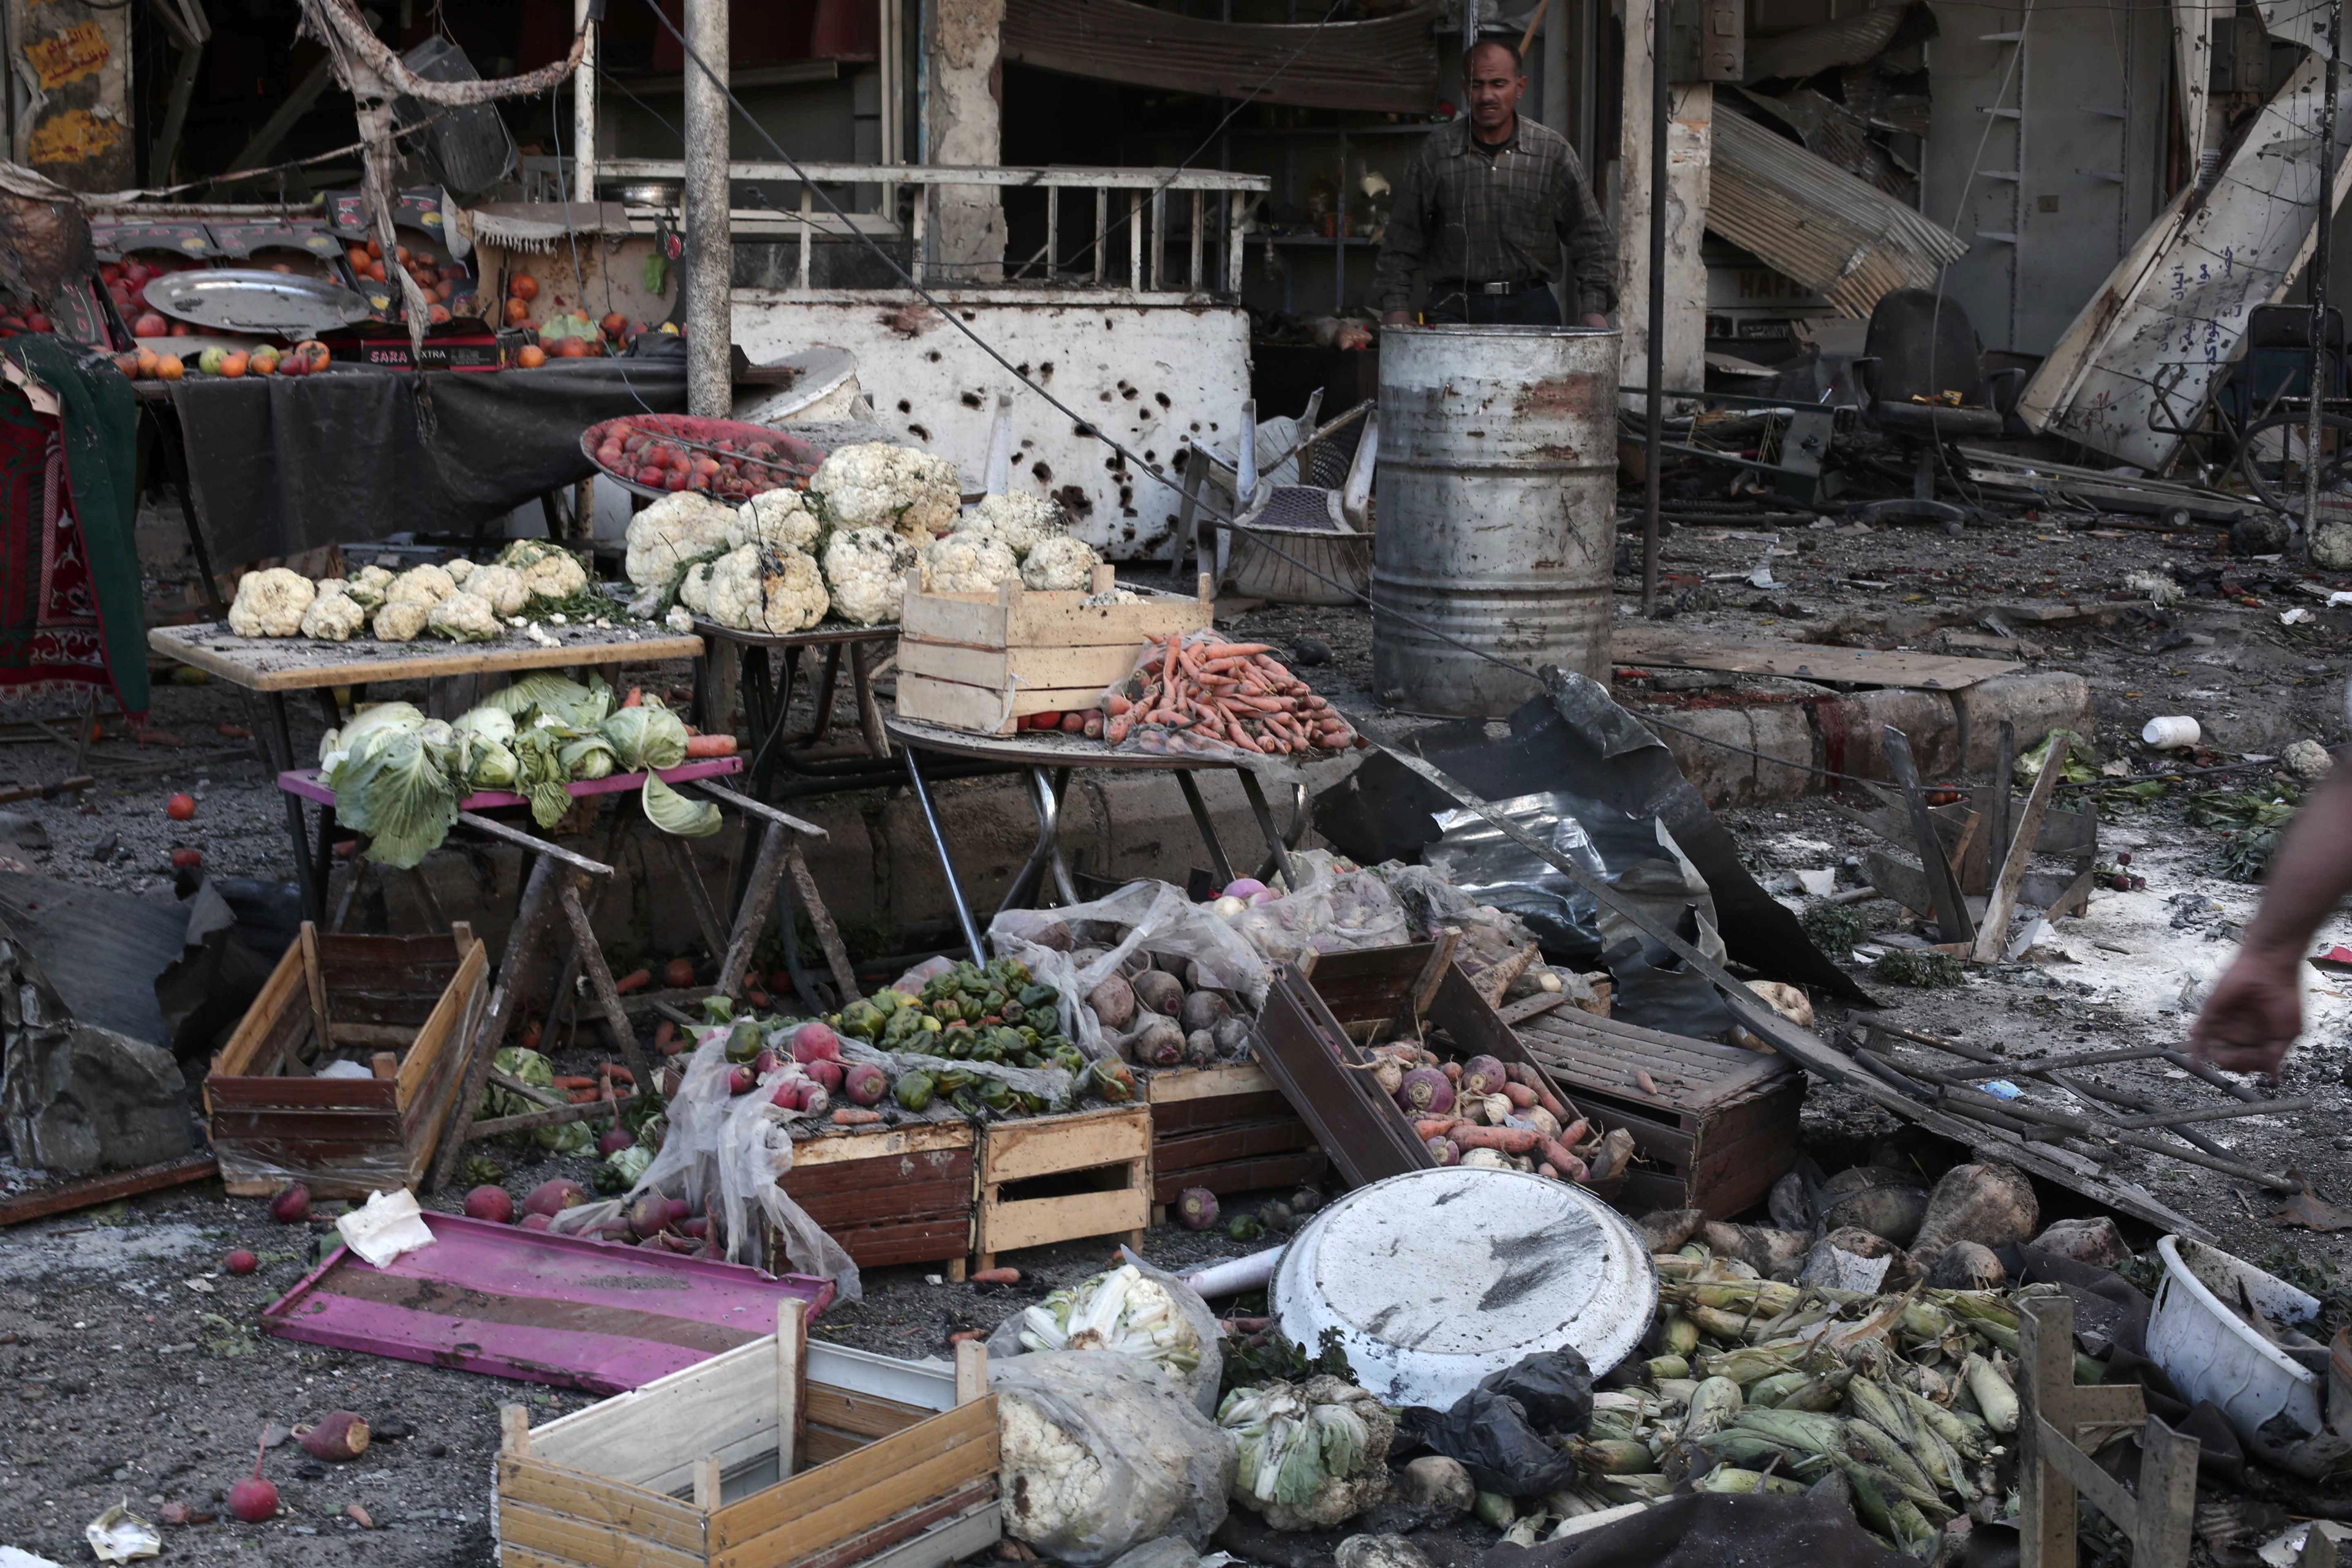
{"x": 1049, "y": 759}
{"x": 272, "y": 666}
{"x": 767, "y": 703}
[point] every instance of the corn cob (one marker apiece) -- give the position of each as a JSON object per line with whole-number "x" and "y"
{"x": 1991, "y": 1392}
{"x": 1768, "y": 1392}
{"x": 1614, "y": 1456}
{"x": 1732, "y": 1479}
{"x": 1668, "y": 1368}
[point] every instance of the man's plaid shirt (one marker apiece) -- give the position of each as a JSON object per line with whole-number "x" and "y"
{"x": 1463, "y": 217}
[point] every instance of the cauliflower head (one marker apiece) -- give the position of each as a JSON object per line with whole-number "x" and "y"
{"x": 425, "y": 586}
{"x": 367, "y": 587}
{"x": 1061, "y": 563}
{"x": 866, "y": 568}
{"x": 968, "y": 563}
{"x": 464, "y": 618}
{"x": 875, "y": 484}
{"x": 458, "y": 570}
{"x": 334, "y": 617}
{"x": 400, "y": 620}
{"x": 270, "y": 604}
{"x": 1021, "y": 520}
{"x": 778, "y": 518}
{"x": 503, "y": 586}
{"x": 548, "y": 571}
{"x": 758, "y": 590}
{"x": 672, "y": 531}
{"x": 694, "y": 588}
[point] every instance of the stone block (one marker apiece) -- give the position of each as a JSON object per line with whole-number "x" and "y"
{"x": 2037, "y": 701}
{"x": 1854, "y": 732}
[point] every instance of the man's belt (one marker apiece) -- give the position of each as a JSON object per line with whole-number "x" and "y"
{"x": 1461, "y": 286}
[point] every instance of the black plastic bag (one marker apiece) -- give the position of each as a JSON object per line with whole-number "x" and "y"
{"x": 1490, "y": 1434}
{"x": 1554, "y": 1387}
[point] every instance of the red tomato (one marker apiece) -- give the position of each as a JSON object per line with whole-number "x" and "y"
{"x": 180, "y": 807}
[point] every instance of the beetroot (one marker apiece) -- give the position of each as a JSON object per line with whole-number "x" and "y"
{"x": 537, "y": 1222}
{"x": 254, "y": 1499}
{"x": 826, "y": 1071}
{"x": 698, "y": 1228}
{"x": 292, "y": 1206}
{"x": 1160, "y": 992}
{"x": 649, "y": 1215}
{"x": 1483, "y": 1076}
{"x": 678, "y": 1210}
{"x": 338, "y": 1437}
{"x": 240, "y": 1262}
{"x": 742, "y": 1080}
{"x": 812, "y": 1042}
{"x": 1197, "y": 1207}
{"x": 765, "y": 1063}
{"x": 554, "y": 1197}
{"x": 614, "y": 1140}
{"x": 790, "y": 1094}
{"x": 1426, "y": 1092}
{"x": 493, "y": 1203}
{"x": 865, "y": 1084}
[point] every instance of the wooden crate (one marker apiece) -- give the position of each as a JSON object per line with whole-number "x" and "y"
{"x": 743, "y": 1461}
{"x": 890, "y": 1195}
{"x": 1101, "y": 1157}
{"x": 983, "y": 661}
{"x": 1715, "y": 1125}
{"x": 1227, "y": 1129}
{"x": 410, "y": 1003}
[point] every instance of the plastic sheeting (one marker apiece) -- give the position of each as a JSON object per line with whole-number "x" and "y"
{"x": 1147, "y": 917}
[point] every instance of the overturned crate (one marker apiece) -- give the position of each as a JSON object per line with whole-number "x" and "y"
{"x": 1228, "y": 1129}
{"x": 1047, "y": 1179}
{"x": 747, "y": 1460}
{"x": 889, "y": 1194}
{"x": 404, "y": 1007}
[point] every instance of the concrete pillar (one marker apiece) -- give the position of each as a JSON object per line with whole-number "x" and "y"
{"x": 1688, "y": 151}
{"x": 709, "y": 222}
{"x": 964, "y": 124}
{"x": 583, "y": 109}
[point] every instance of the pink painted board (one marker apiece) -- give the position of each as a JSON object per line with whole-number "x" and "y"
{"x": 304, "y": 782}
{"x": 599, "y": 1316}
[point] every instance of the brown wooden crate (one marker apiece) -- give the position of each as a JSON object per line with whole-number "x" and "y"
{"x": 371, "y": 1096}
{"x": 1227, "y": 1111}
{"x": 863, "y": 1415}
{"x": 1048, "y": 1145}
{"x": 894, "y": 1473}
{"x": 1300, "y": 1168}
{"x": 596, "y": 1499}
{"x": 566, "y": 1539}
{"x": 926, "y": 1169}
{"x": 1247, "y": 1142}
{"x": 942, "y": 1514}
{"x": 237, "y": 1124}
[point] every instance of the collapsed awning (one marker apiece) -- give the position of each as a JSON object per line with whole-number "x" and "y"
{"x": 1838, "y": 235}
{"x": 1390, "y": 64}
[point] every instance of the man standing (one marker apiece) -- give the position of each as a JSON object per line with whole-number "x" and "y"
{"x": 1482, "y": 210}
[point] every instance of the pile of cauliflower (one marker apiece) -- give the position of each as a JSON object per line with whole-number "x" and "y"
{"x": 463, "y": 600}
{"x": 1008, "y": 539}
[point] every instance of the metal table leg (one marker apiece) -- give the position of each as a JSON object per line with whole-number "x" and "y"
{"x": 1045, "y": 800}
{"x": 1258, "y": 808}
{"x": 282, "y": 734}
{"x": 1217, "y": 861}
{"x": 946, "y": 862}
{"x": 1290, "y": 840}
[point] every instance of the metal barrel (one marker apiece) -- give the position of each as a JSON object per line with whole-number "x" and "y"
{"x": 1498, "y": 511}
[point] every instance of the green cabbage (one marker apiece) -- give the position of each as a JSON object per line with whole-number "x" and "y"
{"x": 400, "y": 791}
{"x": 674, "y": 814}
{"x": 572, "y": 1137}
{"x": 486, "y": 764}
{"x": 540, "y": 775}
{"x": 370, "y": 725}
{"x": 490, "y": 722}
{"x": 524, "y": 1066}
{"x": 569, "y": 703}
{"x": 648, "y": 736}
{"x": 620, "y": 1170}
{"x": 588, "y": 756}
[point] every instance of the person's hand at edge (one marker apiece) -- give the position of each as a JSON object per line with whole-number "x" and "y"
{"x": 2254, "y": 1015}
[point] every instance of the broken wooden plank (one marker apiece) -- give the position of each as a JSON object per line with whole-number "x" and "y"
{"x": 1943, "y": 890}
{"x": 1994, "y": 932}
{"x": 1669, "y": 650}
{"x": 93, "y": 1191}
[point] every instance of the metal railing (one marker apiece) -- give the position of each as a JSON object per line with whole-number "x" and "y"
{"x": 1144, "y": 218}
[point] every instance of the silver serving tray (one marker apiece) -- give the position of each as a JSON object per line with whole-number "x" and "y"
{"x": 235, "y": 300}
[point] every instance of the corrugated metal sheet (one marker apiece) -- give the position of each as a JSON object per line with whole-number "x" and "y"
{"x": 1834, "y": 234}
{"x": 1390, "y": 64}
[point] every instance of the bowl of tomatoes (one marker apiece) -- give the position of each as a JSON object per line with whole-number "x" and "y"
{"x": 656, "y": 455}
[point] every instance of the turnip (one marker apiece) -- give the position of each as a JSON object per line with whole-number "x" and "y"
{"x": 865, "y": 1084}
{"x": 338, "y": 1437}
{"x": 812, "y": 1042}
{"x": 1160, "y": 992}
{"x": 1113, "y": 1002}
{"x": 554, "y": 1197}
{"x": 614, "y": 1140}
{"x": 493, "y": 1203}
{"x": 1200, "y": 1049}
{"x": 1202, "y": 1009}
{"x": 253, "y": 1499}
{"x": 1483, "y": 1076}
{"x": 1228, "y": 907}
{"x": 1425, "y": 1091}
{"x": 1197, "y": 1207}
{"x": 1442, "y": 1152}
{"x": 1160, "y": 1043}
{"x": 291, "y": 1206}
{"x": 649, "y": 1214}
{"x": 240, "y": 1262}
{"x": 825, "y": 1072}
{"x": 1244, "y": 887}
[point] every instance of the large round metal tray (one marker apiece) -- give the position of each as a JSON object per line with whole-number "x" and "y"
{"x": 1437, "y": 1279}
{"x": 234, "y": 300}
{"x": 799, "y": 457}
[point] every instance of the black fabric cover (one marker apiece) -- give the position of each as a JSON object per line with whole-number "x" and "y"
{"x": 281, "y": 464}
{"x": 1709, "y": 1530}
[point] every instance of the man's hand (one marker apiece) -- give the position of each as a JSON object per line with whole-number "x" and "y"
{"x": 2254, "y": 1015}
{"x": 1396, "y": 319}
{"x": 1595, "y": 319}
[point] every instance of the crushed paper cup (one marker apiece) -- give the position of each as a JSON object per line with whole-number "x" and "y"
{"x": 386, "y": 1226}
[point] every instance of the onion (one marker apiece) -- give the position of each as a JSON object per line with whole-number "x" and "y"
{"x": 1228, "y": 907}
{"x": 1243, "y": 887}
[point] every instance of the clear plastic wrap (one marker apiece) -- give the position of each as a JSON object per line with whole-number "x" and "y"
{"x": 1100, "y": 1454}
{"x": 1051, "y": 1084}
{"x": 1101, "y": 1318}
{"x": 1149, "y": 917}
{"x": 724, "y": 1153}
{"x": 1336, "y": 908}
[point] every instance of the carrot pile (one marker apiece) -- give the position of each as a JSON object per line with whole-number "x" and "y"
{"x": 1234, "y": 694}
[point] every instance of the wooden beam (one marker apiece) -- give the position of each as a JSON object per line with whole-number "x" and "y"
{"x": 2003, "y": 902}
{"x": 1951, "y": 908}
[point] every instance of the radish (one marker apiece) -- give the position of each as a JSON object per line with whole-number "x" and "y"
{"x": 614, "y": 1140}
{"x": 814, "y": 1099}
{"x": 649, "y": 1215}
{"x": 253, "y": 1499}
{"x": 240, "y": 1262}
{"x": 788, "y": 1095}
{"x": 679, "y": 1211}
{"x": 865, "y": 1084}
{"x": 292, "y": 1206}
{"x": 537, "y": 1222}
{"x": 679, "y": 974}
{"x": 552, "y": 1198}
{"x": 825, "y": 1072}
{"x": 812, "y": 1042}
{"x": 493, "y": 1203}
{"x": 765, "y": 1063}
{"x": 742, "y": 1080}
{"x": 1197, "y": 1207}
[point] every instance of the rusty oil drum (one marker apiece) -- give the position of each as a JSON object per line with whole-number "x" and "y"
{"x": 1497, "y": 508}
